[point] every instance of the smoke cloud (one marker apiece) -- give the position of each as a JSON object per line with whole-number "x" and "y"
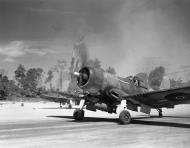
{"x": 82, "y": 52}
{"x": 143, "y": 35}
{"x": 130, "y": 35}
{"x": 153, "y": 33}
{"x": 155, "y": 77}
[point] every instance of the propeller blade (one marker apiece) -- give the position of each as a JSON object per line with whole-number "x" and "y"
{"x": 77, "y": 74}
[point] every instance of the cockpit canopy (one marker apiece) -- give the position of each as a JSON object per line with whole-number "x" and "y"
{"x": 135, "y": 80}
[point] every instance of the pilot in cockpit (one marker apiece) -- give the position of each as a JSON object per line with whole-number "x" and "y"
{"x": 135, "y": 80}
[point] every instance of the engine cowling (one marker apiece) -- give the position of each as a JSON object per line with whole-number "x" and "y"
{"x": 90, "y": 79}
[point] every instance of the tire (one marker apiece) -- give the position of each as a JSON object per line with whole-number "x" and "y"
{"x": 124, "y": 117}
{"x": 78, "y": 114}
{"x": 160, "y": 115}
{"x": 70, "y": 106}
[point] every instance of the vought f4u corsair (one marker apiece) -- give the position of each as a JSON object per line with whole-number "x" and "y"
{"x": 104, "y": 91}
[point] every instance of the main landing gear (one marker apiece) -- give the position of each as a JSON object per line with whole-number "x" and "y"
{"x": 60, "y": 105}
{"x": 124, "y": 117}
{"x": 78, "y": 114}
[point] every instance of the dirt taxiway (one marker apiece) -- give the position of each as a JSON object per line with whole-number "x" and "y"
{"x": 29, "y": 127}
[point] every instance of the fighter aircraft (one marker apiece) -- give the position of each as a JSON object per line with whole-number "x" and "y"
{"x": 104, "y": 91}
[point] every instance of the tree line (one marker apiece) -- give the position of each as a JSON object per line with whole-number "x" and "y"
{"x": 29, "y": 82}
{"x": 26, "y": 83}
{"x": 33, "y": 81}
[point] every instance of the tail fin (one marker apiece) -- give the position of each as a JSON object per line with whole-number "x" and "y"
{"x": 165, "y": 84}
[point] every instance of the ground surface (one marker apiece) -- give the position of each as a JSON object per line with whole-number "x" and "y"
{"x": 30, "y": 127}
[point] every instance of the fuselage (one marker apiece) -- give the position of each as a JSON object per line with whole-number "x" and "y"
{"x": 107, "y": 86}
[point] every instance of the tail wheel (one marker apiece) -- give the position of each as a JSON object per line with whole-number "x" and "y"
{"x": 70, "y": 106}
{"x": 124, "y": 117}
{"x": 160, "y": 113}
{"x": 78, "y": 114}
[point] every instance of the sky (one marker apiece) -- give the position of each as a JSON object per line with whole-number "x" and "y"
{"x": 130, "y": 35}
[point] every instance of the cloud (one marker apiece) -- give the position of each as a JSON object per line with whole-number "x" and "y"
{"x": 38, "y": 52}
{"x": 16, "y": 49}
{"x": 8, "y": 60}
{"x": 130, "y": 35}
{"x": 154, "y": 33}
{"x": 13, "y": 49}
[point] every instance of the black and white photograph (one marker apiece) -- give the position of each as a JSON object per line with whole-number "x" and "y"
{"x": 94, "y": 73}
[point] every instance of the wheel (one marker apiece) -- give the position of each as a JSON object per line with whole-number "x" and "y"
{"x": 124, "y": 117}
{"x": 70, "y": 106}
{"x": 78, "y": 114}
{"x": 160, "y": 113}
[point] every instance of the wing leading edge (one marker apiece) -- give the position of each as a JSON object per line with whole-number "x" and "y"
{"x": 62, "y": 97}
{"x": 54, "y": 98}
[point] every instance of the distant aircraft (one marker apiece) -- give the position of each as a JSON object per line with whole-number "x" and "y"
{"x": 104, "y": 91}
{"x": 66, "y": 99}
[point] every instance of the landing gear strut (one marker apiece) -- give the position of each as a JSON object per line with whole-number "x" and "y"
{"x": 78, "y": 114}
{"x": 160, "y": 113}
{"x": 124, "y": 117}
{"x": 60, "y": 105}
{"x": 70, "y": 106}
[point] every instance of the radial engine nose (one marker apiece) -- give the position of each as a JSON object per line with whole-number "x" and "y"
{"x": 90, "y": 79}
{"x": 82, "y": 76}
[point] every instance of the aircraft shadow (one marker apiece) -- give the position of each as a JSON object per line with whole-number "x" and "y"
{"x": 183, "y": 117}
{"x": 136, "y": 120}
{"x": 145, "y": 116}
{"x": 158, "y": 123}
{"x": 88, "y": 119}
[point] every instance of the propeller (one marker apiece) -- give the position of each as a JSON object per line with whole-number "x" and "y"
{"x": 79, "y": 62}
{"x": 82, "y": 76}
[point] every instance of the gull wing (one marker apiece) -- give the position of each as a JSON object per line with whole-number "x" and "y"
{"x": 71, "y": 96}
{"x": 63, "y": 97}
{"x": 163, "y": 98}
